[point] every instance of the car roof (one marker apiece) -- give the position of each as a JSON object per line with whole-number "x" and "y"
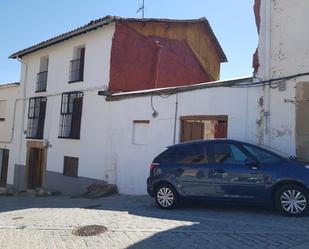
{"x": 206, "y": 141}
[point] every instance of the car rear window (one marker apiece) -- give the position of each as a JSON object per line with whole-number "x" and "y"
{"x": 166, "y": 156}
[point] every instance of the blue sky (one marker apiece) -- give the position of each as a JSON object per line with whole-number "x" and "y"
{"x": 24, "y": 23}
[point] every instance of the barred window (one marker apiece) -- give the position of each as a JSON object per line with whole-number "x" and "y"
{"x": 36, "y": 117}
{"x": 77, "y": 65}
{"x": 70, "y": 115}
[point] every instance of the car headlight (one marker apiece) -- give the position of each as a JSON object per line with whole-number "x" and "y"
{"x": 307, "y": 166}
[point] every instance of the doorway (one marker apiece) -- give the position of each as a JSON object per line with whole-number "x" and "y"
{"x": 35, "y": 167}
{"x": 4, "y": 164}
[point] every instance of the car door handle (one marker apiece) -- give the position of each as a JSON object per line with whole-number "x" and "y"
{"x": 219, "y": 171}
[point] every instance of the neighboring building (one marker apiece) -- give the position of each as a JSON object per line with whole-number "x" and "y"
{"x": 9, "y": 94}
{"x": 66, "y": 130}
{"x": 283, "y": 53}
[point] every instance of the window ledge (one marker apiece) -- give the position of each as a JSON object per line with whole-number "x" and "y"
{"x": 40, "y": 91}
{"x": 76, "y": 81}
{"x": 69, "y": 138}
{"x": 35, "y": 138}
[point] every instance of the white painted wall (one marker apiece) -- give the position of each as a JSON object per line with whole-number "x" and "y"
{"x": 132, "y": 161}
{"x": 9, "y": 128}
{"x": 8, "y": 96}
{"x": 283, "y": 51}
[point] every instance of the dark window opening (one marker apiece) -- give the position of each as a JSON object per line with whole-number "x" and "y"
{"x": 36, "y": 117}
{"x": 77, "y": 66}
{"x": 70, "y": 166}
{"x": 70, "y": 115}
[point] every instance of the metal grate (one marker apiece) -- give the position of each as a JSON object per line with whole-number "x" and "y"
{"x": 90, "y": 230}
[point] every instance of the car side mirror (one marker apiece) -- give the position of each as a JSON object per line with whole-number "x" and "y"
{"x": 250, "y": 162}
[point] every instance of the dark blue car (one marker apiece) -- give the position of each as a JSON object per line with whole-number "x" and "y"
{"x": 229, "y": 170}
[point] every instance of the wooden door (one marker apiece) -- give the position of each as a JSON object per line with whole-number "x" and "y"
{"x": 4, "y": 167}
{"x": 35, "y": 168}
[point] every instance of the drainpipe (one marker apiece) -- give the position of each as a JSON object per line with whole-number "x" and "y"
{"x": 159, "y": 49}
{"x": 267, "y": 73}
{"x": 175, "y": 122}
{"x": 23, "y": 107}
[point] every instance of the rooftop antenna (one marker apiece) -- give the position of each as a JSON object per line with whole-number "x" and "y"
{"x": 142, "y": 8}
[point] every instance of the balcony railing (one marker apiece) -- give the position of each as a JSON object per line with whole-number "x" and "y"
{"x": 41, "y": 81}
{"x": 76, "y": 70}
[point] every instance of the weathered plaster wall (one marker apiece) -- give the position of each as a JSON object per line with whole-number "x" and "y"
{"x": 283, "y": 51}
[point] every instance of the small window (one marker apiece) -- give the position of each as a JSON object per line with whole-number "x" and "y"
{"x": 262, "y": 155}
{"x": 70, "y": 115}
{"x": 193, "y": 154}
{"x": 41, "y": 80}
{"x": 70, "y": 166}
{"x": 2, "y": 110}
{"x": 141, "y": 132}
{"x": 228, "y": 154}
{"x": 36, "y": 117}
{"x": 203, "y": 127}
{"x": 77, "y": 65}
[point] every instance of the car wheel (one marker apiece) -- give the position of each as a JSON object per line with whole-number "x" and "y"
{"x": 292, "y": 200}
{"x": 166, "y": 196}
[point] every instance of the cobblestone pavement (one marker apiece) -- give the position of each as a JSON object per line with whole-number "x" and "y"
{"x": 135, "y": 222}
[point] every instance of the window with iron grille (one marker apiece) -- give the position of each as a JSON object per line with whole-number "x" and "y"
{"x": 41, "y": 79}
{"x": 77, "y": 65}
{"x": 70, "y": 166}
{"x": 70, "y": 115}
{"x": 36, "y": 117}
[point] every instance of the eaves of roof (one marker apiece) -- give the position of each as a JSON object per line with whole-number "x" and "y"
{"x": 98, "y": 23}
{"x": 6, "y": 85}
{"x": 177, "y": 89}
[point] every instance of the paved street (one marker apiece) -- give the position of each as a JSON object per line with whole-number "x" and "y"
{"x": 135, "y": 222}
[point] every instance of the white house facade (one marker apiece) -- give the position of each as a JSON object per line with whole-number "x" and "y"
{"x": 9, "y": 107}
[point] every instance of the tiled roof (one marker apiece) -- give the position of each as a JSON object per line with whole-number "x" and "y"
{"x": 5, "y": 85}
{"x": 94, "y": 24}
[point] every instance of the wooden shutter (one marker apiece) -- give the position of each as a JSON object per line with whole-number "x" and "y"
{"x": 82, "y": 63}
{"x": 191, "y": 131}
{"x": 41, "y": 122}
{"x": 221, "y": 129}
{"x": 76, "y": 118}
{"x": 4, "y": 170}
{"x": 70, "y": 166}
